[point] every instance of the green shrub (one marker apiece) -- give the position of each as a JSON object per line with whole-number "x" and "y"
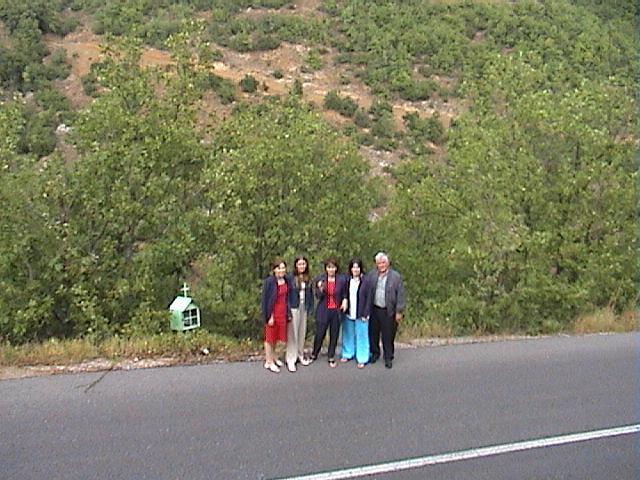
{"x": 365, "y": 138}
{"x": 418, "y": 90}
{"x": 383, "y": 126}
{"x": 248, "y": 84}
{"x": 58, "y": 66}
{"x": 156, "y": 31}
{"x": 430, "y": 128}
{"x": 343, "y": 105}
{"x": 241, "y": 42}
{"x": 53, "y": 101}
{"x": 262, "y": 42}
{"x": 296, "y": 88}
{"x": 313, "y": 61}
{"x": 388, "y": 144}
{"x": 38, "y": 137}
{"x": 362, "y": 119}
{"x": 380, "y": 108}
{"x": 225, "y": 89}
{"x": 90, "y": 84}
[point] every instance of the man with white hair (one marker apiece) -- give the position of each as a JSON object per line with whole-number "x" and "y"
{"x": 387, "y": 308}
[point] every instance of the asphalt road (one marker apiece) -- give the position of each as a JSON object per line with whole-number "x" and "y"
{"x": 235, "y": 421}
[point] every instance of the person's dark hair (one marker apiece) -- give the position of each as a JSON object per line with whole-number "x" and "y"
{"x": 276, "y": 262}
{"x": 354, "y": 261}
{"x": 305, "y": 274}
{"x": 331, "y": 261}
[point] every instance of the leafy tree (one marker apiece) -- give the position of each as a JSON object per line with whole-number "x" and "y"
{"x": 46, "y": 13}
{"x": 133, "y": 192}
{"x": 531, "y": 221}
{"x": 280, "y": 182}
{"x": 106, "y": 239}
{"x": 28, "y": 240}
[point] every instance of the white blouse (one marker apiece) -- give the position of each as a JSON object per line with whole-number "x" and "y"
{"x": 353, "y": 297}
{"x": 303, "y": 285}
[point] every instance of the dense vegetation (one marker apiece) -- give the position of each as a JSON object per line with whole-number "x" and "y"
{"x": 525, "y": 220}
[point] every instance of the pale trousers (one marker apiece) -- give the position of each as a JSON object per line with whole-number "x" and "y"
{"x": 355, "y": 339}
{"x": 296, "y": 334}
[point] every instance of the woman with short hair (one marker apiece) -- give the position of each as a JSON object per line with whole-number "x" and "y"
{"x": 275, "y": 313}
{"x": 330, "y": 293}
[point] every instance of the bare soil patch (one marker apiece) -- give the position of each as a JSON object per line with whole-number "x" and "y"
{"x": 84, "y": 48}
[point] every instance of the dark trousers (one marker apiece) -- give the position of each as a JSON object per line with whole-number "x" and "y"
{"x": 332, "y": 322}
{"x": 385, "y": 326}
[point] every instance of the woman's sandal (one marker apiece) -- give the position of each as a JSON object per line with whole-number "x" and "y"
{"x": 360, "y": 365}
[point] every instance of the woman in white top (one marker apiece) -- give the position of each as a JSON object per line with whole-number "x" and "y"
{"x": 355, "y": 326}
{"x": 301, "y": 304}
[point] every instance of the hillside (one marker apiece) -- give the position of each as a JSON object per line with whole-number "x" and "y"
{"x": 84, "y": 49}
{"x": 489, "y": 145}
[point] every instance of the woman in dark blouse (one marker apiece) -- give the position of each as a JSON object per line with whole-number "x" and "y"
{"x": 330, "y": 293}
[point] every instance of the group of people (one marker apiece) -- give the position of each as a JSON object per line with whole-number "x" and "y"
{"x": 368, "y": 308}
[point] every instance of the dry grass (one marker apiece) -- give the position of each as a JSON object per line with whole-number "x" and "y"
{"x": 408, "y": 332}
{"x": 606, "y": 320}
{"x": 184, "y": 346}
{"x": 50, "y": 352}
{"x": 204, "y": 346}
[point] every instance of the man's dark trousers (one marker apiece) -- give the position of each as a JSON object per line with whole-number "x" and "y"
{"x": 381, "y": 324}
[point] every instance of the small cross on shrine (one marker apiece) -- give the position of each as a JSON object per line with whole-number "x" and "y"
{"x": 185, "y": 290}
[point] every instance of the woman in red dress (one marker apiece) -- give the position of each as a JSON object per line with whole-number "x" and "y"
{"x": 275, "y": 313}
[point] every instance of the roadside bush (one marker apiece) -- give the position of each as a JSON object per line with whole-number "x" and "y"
{"x": 509, "y": 234}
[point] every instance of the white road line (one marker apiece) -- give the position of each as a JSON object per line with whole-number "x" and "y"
{"x": 467, "y": 454}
